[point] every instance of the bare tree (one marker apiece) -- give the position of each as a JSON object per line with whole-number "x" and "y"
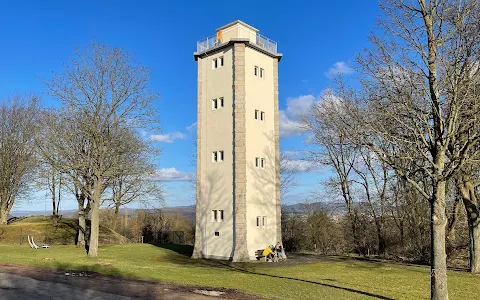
{"x": 105, "y": 97}
{"x": 373, "y": 176}
{"x": 417, "y": 84}
{"x": 52, "y": 178}
{"x": 18, "y": 159}
{"x": 126, "y": 189}
{"x": 290, "y": 166}
{"x": 336, "y": 149}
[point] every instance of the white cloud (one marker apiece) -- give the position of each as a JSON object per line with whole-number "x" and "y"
{"x": 301, "y": 166}
{"x": 338, "y": 68}
{"x": 290, "y": 118}
{"x": 192, "y": 127}
{"x": 299, "y": 106}
{"x": 167, "y": 138}
{"x": 289, "y": 127}
{"x": 171, "y": 174}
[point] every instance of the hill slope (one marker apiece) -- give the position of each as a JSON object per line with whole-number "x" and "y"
{"x": 45, "y": 231}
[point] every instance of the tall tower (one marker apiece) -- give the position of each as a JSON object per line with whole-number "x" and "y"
{"x": 238, "y": 163}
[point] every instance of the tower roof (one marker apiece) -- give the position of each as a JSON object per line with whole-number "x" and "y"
{"x": 238, "y": 22}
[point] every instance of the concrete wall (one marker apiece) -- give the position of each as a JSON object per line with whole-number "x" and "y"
{"x": 260, "y": 142}
{"x": 239, "y": 31}
{"x": 216, "y": 177}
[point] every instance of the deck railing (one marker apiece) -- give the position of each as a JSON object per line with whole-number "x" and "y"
{"x": 261, "y": 41}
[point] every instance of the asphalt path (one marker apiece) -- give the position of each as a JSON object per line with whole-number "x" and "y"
{"x": 19, "y": 287}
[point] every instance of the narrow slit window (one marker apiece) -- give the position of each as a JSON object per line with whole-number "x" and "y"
{"x": 214, "y": 104}
{"x": 214, "y": 215}
{"x": 256, "y": 71}
{"x": 264, "y": 221}
{"x": 262, "y": 115}
{"x": 221, "y": 61}
{"x": 258, "y": 221}
{"x": 261, "y": 72}
{"x": 215, "y": 156}
{"x": 256, "y": 162}
{"x": 220, "y": 154}
{"x": 221, "y": 102}
{"x": 256, "y": 114}
{"x": 221, "y": 215}
{"x": 263, "y": 163}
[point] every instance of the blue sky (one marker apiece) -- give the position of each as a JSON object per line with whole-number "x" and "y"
{"x": 316, "y": 38}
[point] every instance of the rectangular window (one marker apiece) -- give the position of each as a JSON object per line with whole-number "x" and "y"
{"x": 214, "y": 216}
{"x": 256, "y": 114}
{"x": 221, "y": 101}
{"x": 263, "y": 163}
{"x": 262, "y": 115}
{"x": 220, "y": 154}
{"x": 214, "y": 156}
{"x": 221, "y": 215}
{"x": 217, "y": 62}
{"x": 264, "y": 221}
{"x": 214, "y": 104}
{"x": 258, "y": 221}
{"x": 256, "y": 71}
{"x": 257, "y": 162}
{"x": 261, "y": 72}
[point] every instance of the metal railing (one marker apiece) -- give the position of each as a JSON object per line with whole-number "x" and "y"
{"x": 207, "y": 43}
{"x": 261, "y": 41}
{"x": 266, "y": 43}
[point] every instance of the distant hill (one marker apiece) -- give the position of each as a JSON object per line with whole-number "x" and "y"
{"x": 189, "y": 210}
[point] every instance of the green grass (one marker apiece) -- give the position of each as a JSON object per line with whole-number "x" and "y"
{"x": 347, "y": 279}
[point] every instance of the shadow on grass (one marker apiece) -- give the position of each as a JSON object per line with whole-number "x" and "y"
{"x": 247, "y": 267}
{"x": 384, "y": 262}
{"x": 185, "y": 250}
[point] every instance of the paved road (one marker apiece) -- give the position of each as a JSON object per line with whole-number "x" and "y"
{"x": 19, "y": 288}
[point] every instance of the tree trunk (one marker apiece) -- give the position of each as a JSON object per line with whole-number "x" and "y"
{"x": 467, "y": 191}
{"x": 59, "y": 194}
{"x": 53, "y": 190}
{"x": 95, "y": 220}
{"x": 82, "y": 225}
{"x": 3, "y": 216}
{"x": 381, "y": 239}
{"x": 474, "y": 235}
{"x": 438, "y": 265}
{"x": 115, "y": 216}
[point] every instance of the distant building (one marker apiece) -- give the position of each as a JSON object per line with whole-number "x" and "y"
{"x": 238, "y": 163}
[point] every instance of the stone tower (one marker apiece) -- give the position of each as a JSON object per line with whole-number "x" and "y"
{"x": 238, "y": 163}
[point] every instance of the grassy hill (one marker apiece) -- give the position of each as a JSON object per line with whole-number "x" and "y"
{"x": 44, "y": 230}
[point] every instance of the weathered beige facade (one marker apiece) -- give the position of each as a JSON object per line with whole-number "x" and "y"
{"x": 238, "y": 174}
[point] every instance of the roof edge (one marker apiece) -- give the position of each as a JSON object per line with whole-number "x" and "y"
{"x": 238, "y": 22}
{"x": 246, "y": 41}
{"x": 196, "y": 55}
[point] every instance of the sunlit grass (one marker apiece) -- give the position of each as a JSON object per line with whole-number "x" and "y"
{"x": 323, "y": 280}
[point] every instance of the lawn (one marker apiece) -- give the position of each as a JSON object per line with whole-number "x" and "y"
{"x": 348, "y": 279}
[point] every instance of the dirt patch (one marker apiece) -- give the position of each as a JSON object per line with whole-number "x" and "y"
{"x": 138, "y": 289}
